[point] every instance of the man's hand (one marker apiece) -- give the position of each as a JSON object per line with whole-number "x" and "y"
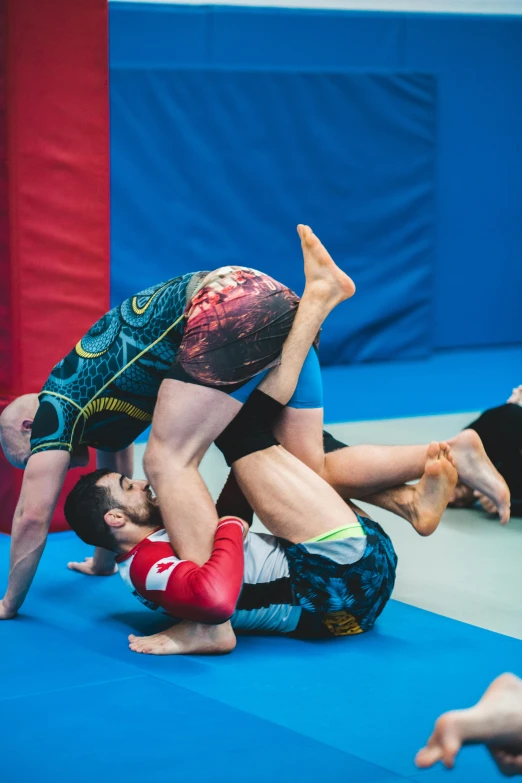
{"x": 88, "y": 567}
{"x": 5, "y": 613}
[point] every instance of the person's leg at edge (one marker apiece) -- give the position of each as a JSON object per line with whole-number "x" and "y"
{"x": 496, "y": 721}
{"x": 288, "y": 496}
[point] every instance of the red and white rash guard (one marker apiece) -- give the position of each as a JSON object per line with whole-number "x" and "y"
{"x": 206, "y": 594}
{"x": 266, "y": 602}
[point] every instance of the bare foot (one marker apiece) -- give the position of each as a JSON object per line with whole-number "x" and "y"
{"x": 431, "y": 495}
{"x": 516, "y": 396}
{"x": 495, "y": 721}
{"x": 478, "y": 472}
{"x": 187, "y": 638}
{"x": 323, "y": 276}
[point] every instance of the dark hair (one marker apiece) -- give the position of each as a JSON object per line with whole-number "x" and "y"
{"x": 85, "y": 508}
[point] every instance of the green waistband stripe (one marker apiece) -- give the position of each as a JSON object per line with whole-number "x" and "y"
{"x": 350, "y": 531}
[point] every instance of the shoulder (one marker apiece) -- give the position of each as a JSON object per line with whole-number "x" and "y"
{"x": 53, "y": 422}
{"x": 153, "y": 562}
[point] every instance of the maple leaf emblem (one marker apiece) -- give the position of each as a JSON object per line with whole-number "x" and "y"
{"x": 161, "y": 567}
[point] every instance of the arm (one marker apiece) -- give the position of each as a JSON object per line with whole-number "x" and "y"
{"x": 102, "y": 563}
{"x": 43, "y": 481}
{"x": 118, "y": 461}
{"x": 205, "y": 594}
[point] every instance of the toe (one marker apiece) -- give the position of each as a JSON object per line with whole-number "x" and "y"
{"x": 449, "y": 753}
{"x": 428, "y": 756}
{"x": 505, "y": 517}
{"x": 305, "y": 232}
{"x": 433, "y": 450}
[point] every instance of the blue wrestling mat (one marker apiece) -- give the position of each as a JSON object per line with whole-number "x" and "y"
{"x": 76, "y": 704}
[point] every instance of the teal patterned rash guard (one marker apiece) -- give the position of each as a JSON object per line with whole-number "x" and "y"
{"x": 103, "y": 393}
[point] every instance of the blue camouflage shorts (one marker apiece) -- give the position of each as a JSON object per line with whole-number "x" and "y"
{"x": 342, "y": 599}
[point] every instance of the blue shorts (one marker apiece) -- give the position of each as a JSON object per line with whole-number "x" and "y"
{"x": 309, "y": 390}
{"x": 341, "y": 599}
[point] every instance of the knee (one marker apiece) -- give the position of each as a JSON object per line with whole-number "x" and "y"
{"x": 162, "y": 455}
{"x": 151, "y": 463}
{"x": 156, "y": 457}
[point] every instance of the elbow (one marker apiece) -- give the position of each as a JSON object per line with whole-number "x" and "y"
{"x": 29, "y": 526}
{"x": 222, "y": 612}
{"x": 217, "y": 607}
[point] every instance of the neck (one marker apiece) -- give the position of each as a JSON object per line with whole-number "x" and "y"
{"x": 135, "y": 538}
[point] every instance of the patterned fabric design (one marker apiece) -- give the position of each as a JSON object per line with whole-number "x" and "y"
{"x": 104, "y": 391}
{"x": 334, "y": 594}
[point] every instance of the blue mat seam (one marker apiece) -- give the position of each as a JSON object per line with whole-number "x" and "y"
{"x": 71, "y": 687}
{"x": 279, "y": 724}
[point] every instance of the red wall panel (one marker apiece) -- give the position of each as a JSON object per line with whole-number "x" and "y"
{"x": 56, "y": 269}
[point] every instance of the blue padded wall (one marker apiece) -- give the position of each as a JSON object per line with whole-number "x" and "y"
{"x": 211, "y": 168}
{"x": 477, "y": 65}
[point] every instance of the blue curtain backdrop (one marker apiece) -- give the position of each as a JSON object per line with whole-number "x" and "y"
{"x": 216, "y": 167}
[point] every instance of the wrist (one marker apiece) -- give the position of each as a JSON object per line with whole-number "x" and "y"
{"x": 103, "y": 561}
{"x": 103, "y": 569}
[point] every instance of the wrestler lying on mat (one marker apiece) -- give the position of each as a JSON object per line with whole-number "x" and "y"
{"x": 326, "y": 570}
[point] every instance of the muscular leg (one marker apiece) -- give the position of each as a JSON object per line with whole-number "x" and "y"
{"x": 356, "y": 471}
{"x": 368, "y": 471}
{"x": 291, "y": 500}
{"x": 288, "y": 496}
{"x": 326, "y": 286}
{"x": 360, "y": 469}
{"x": 189, "y": 418}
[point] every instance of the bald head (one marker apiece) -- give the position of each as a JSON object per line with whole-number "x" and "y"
{"x": 15, "y": 429}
